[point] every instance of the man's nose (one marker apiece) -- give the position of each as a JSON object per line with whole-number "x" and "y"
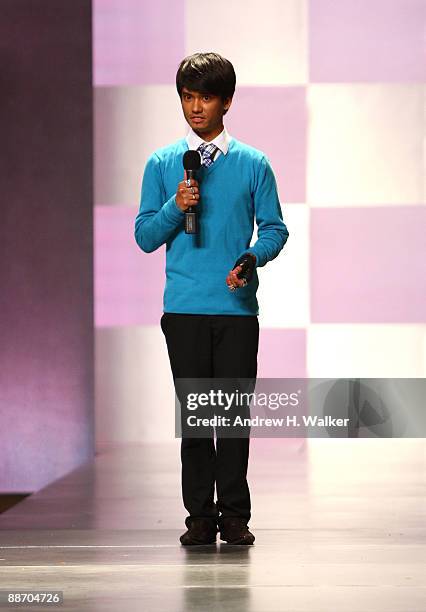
{"x": 197, "y": 106}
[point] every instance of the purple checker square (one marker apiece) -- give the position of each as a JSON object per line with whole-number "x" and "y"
{"x": 128, "y": 282}
{"x": 366, "y": 40}
{"x": 273, "y": 119}
{"x": 282, "y": 353}
{"x": 136, "y": 42}
{"x": 368, "y": 265}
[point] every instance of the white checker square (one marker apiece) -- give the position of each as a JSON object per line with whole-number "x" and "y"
{"x": 130, "y": 123}
{"x": 283, "y": 293}
{"x": 366, "y": 351}
{"x": 134, "y": 386}
{"x": 365, "y": 144}
{"x": 266, "y": 43}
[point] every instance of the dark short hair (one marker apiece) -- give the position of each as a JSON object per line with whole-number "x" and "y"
{"x": 206, "y": 73}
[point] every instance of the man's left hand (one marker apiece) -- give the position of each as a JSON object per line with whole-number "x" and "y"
{"x": 232, "y": 279}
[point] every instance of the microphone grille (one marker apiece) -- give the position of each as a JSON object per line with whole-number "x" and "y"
{"x": 191, "y": 160}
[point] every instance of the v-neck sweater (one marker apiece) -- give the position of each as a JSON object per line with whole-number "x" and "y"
{"x": 237, "y": 189}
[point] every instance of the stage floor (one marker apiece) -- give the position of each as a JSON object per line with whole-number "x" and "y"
{"x": 339, "y": 526}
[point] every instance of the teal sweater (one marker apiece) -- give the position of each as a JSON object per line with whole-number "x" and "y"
{"x": 238, "y": 188}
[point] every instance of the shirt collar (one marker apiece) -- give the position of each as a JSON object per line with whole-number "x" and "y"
{"x": 221, "y": 141}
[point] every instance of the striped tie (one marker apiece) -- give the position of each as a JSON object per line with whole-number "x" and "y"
{"x": 207, "y": 153}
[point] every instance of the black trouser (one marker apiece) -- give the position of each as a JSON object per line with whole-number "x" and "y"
{"x": 213, "y": 346}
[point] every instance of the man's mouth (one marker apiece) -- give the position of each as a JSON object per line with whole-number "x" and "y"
{"x": 197, "y": 119}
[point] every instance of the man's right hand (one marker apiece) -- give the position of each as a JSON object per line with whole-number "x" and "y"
{"x": 187, "y": 196}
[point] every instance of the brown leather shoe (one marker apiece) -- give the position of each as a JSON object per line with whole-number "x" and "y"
{"x": 234, "y": 530}
{"x": 200, "y": 531}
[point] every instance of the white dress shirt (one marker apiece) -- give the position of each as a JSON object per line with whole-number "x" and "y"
{"x": 221, "y": 141}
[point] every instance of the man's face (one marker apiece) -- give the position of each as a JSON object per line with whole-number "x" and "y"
{"x": 204, "y": 112}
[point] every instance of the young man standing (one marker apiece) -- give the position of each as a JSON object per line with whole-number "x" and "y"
{"x": 210, "y": 307}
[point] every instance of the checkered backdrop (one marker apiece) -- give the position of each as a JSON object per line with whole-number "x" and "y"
{"x": 333, "y": 93}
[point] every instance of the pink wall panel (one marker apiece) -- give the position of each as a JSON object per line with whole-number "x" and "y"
{"x": 136, "y": 41}
{"x": 368, "y": 265}
{"x": 128, "y": 282}
{"x": 282, "y": 353}
{"x": 273, "y": 119}
{"x": 367, "y": 40}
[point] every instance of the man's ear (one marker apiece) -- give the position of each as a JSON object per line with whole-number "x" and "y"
{"x": 226, "y": 105}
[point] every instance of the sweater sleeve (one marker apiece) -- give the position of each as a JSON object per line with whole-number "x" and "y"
{"x": 157, "y": 219}
{"x": 272, "y": 232}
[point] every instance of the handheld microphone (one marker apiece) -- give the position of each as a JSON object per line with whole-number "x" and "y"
{"x": 191, "y": 163}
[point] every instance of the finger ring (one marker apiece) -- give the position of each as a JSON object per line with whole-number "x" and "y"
{"x": 231, "y": 287}
{"x": 188, "y": 182}
{"x": 193, "y": 190}
{"x": 193, "y": 196}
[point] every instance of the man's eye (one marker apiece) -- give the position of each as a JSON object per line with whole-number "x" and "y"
{"x": 206, "y": 97}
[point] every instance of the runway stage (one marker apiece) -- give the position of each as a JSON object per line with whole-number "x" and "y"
{"x": 339, "y": 526}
